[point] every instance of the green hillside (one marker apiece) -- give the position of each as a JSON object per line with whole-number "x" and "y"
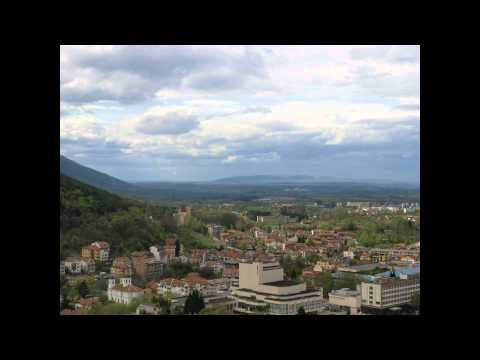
{"x": 88, "y": 214}
{"x": 93, "y": 177}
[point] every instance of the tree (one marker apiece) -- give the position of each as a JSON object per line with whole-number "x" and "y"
{"x": 178, "y": 310}
{"x": 325, "y": 281}
{"x": 301, "y": 311}
{"x": 82, "y": 289}
{"x": 164, "y": 305}
{"x": 415, "y": 301}
{"x": 194, "y": 303}
{"x": 219, "y": 310}
{"x": 177, "y": 248}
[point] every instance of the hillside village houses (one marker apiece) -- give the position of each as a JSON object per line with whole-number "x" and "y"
{"x": 122, "y": 291}
{"x": 263, "y": 288}
{"x": 99, "y": 251}
{"x": 122, "y": 266}
{"x": 79, "y": 265}
{"x": 145, "y": 265}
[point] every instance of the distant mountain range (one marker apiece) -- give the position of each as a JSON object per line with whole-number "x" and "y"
{"x": 242, "y": 187}
{"x": 93, "y": 177}
{"x": 305, "y": 179}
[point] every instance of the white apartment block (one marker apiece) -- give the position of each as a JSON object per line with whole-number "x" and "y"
{"x": 389, "y": 292}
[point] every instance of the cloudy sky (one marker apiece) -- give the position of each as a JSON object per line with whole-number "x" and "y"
{"x": 207, "y": 112}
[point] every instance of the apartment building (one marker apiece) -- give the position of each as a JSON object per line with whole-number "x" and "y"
{"x": 78, "y": 265}
{"x": 390, "y": 291}
{"x": 99, "y": 251}
{"x": 122, "y": 266}
{"x": 145, "y": 265}
{"x": 262, "y": 289}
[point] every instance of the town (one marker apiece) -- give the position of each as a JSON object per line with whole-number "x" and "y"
{"x": 276, "y": 256}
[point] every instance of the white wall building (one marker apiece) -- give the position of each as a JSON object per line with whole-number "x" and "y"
{"x": 78, "y": 265}
{"x": 389, "y": 292}
{"x": 122, "y": 291}
{"x": 262, "y": 288}
{"x": 351, "y": 299}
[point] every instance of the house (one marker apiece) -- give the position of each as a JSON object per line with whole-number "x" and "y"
{"x": 85, "y": 304}
{"x": 145, "y": 265}
{"x": 122, "y": 266}
{"x": 99, "y": 251}
{"x": 148, "y": 309}
{"x": 122, "y": 291}
{"x": 326, "y": 265}
{"x": 159, "y": 253}
{"x": 195, "y": 281}
{"x": 79, "y": 265}
{"x": 173, "y": 287}
{"x": 170, "y": 245}
{"x": 73, "y": 312}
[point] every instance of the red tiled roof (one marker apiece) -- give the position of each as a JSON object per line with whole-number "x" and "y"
{"x": 87, "y": 302}
{"x": 103, "y": 245}
{"x": 195, "y": 278}
{"x": 141, "y": 253}
{"x": 72, "y": 312}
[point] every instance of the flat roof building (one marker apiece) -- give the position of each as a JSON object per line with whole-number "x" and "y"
{"x": 389, "y": 292}
{"x": 263, "y": 290}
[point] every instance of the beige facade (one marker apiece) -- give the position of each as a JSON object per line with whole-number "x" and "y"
{"x": 346, "y": 298}
{"x": 262, "y": 289}
{"x": 390, "y": 292}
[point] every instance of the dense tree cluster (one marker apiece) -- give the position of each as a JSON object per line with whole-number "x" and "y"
{"x": 88, "y": 214}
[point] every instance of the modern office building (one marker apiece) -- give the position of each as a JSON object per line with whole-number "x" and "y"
{"x": 263, "y": 290}
{"x": 346, "y": 298}
{"x": 392, "y": 291}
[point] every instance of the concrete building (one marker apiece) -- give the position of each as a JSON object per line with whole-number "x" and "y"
{"x": 262, "y": 289}
{"x": 145, "y": 265}
{"x": 389, "y": 292}
{"x": 346, "y": 298}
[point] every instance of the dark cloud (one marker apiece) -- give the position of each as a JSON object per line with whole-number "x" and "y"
{"x": 134, "y": 73}
{"x": 169, "y": 124}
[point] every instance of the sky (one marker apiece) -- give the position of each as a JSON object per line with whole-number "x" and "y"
{"x": 198, "y": 113}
